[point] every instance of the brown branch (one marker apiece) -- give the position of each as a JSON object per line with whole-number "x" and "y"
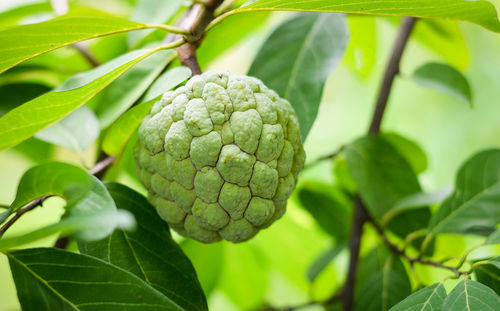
{"x": 334, "y": 298}
{"x": 359, "y": 219}
{"x": 397, "y": 250}
{"x": 98, "y": 168}
{"x": 391, "y": 71}
{"x": 85, "y": 52}
{"x": 196, "y": 20}
{"x": 360, "y": 212}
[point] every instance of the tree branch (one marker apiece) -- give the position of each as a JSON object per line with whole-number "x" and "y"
{"x": 359, "y": 218}
{"x": 196, "y": 20}
{"x": 360, "y": 212}
{"x": 391, "y": 71}
{"x": 399, "y": 251}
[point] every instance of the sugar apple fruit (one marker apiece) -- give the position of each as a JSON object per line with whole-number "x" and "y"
{"x": 220, "y": 156}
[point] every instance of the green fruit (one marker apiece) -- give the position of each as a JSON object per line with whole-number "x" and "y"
{"x": 220, "y": 156}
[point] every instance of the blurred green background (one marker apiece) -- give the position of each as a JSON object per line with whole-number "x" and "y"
{"x": 272, "y": 267}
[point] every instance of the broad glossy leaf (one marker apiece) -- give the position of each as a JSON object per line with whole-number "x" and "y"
{"x": 208, "y": 261}
{"x": 331, "y": 215}
{"x": 122, "y": 129}
{"x": 409, "y": 149}
{"x": 444, "y": 78}
{"x": 228, "y": 34}
{"x": 443, "y": 37}
{"x": 77, "y": 131}
{"x": 17, "y": 12}
{"x": 361, "y": 51}
{"x": 474, "y": 204}
{"x": 382, "y": 175}
{"x": 79, "y": 226}
{"x": 369, "y": 264}
{"x": 127, "y": 89}
{"x": 83, "y": 78}
{"x": 25, "y": 120}
{"x": 149, "y": 252}
{"x": 323, "y": 260}
{"x": 429, "y": 298}
{"x": 85, "y": 196}
{"x": 249, "y": 264}
{"x": 479, "y": 12}
{"x": 494, "y": 238}
{"x": 384, "y": 288}
{"x": 416, "y": 201}
{"x": 167, "y": 81}
{"x": 151, "y": 12}
{"x": 298, "y": 57}
{"x": 35, "y": 39}
{"x": 17, "y": 94}
{"x": 31, "y": 74}
{"x": 471, "y": 295}
{"x": 489, "y": 274}
{"x": 53, "y": 279}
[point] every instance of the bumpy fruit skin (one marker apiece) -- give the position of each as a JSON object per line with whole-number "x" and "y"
{"x": 220, "y": 156}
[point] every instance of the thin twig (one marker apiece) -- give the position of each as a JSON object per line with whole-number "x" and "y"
{"x": 99, "y": 167}
{"x": 391, "y": 71}
{"x": 360, "y": 212}
{"x": 359, "y": 218}
{"x": 323, "y": 158}
{"x": 334, "y": 298}
{"x": 397, "y": 250}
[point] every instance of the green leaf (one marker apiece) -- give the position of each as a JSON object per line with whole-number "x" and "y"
{"x": 35, "y": 39}
{"x": 149, "y": 252}
{"x": 471, "y": 295}
{"x": 127, "y": 89}
{"x": 152, "y": 12}
{"x": 229, "y": 33}
{"x": 369, "y": 264}
{"x": 429, "y": 298}
{"x": 444, "y": 78}
{"x": 384, "y": 288}
{"x": 489, "y": 274}
{"x": 416, "y": 201}
{"x": 77, "y": 131}
{"x": 167, "y": 81}
{"x": 382, "y": 175}
{"x": 474, "y": 204}
{"x": 331, "y": 215}
{"x": 361, "y": 51}
{"x": 31, "y": 74}
{"x": 122, "y": 129}
{"x": 409, "y": 149}
{"x": 83, "y": 78}
{"x": 494, "y": 238}
{"x": 323, "y": 260}
{"x": 479, "y": 12}
{"x": 298, "y": 57}
{"x": 53, "y": 279}
{"x": 208, "y": 261}
{"x": 24, "y": 121}
{"x": 17, "y": 94}
{"x": 443, "y": 37}
{"x": 17, "y": 12}
{"x": 86, "y": 199}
